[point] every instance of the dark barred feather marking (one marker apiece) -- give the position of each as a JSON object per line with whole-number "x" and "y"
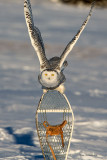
{"x": 71, "y": 44}
{"x": 35, "y": 35}
{"x": 37, "y": 41}
{"x": 55, "y": 63}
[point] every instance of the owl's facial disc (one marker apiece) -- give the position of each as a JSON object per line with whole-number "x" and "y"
{"x": 51, "y": 79}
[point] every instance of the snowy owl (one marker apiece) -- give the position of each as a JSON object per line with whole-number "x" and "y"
{"x": 51, "y": 71}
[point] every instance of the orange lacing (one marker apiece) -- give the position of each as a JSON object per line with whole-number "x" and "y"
{"x": 53, "y": 131}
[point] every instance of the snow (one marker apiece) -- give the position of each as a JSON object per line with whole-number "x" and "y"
{"x": 86, "y": 74}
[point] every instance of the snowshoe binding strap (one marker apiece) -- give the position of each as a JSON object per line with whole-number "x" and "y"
{"x": 53, "y": 131}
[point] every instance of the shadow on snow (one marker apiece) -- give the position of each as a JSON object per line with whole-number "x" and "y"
{"x": 26, "y": 139}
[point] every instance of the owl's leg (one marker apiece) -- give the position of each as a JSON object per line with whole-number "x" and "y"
{"x": 45, "y": 90}
{"x": 61, "y": 88}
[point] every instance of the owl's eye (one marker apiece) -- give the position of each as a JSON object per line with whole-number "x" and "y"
{"x": 52, "y": 74}
{"x": 46, "y": 74}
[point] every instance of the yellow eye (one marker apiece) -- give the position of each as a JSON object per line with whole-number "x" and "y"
{"x": 52, "y": 74}
{"x": 46, "y": 74}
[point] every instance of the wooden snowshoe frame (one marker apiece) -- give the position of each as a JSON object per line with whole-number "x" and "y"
{"x": 53, "y": 102}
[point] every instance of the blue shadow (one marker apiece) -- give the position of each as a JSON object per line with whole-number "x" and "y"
{"x": 26, "y": 139}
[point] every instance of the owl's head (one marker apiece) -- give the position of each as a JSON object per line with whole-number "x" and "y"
{"x": 51, "y": 79}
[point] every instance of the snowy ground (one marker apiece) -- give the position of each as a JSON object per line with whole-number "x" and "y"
{"x": 86, "y": 85}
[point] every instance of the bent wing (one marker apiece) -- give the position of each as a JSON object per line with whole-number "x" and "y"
{"x": 35, "y": 34}
{"x": 71, "y": 44}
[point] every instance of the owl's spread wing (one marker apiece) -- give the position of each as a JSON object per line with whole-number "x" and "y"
{"x": 71, "y": 44}
{"x": 34, "y": 34}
